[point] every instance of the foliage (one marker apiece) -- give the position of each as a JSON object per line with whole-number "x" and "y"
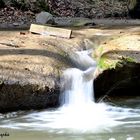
{"x": 132, "y": 4}
{"x": 35, "y": 6}
{"x": 107, "y": 63}
{"x": 2, "y": 4}
{"x": 43, "y": 5}
{"x": 20, "y": 4}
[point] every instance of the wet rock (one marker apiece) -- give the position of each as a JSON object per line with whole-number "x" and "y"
{"x": 120, "y": 82}
{"x": 29, "y": 73}
{"x": 118, "y": 67}
{"x": 44, "y": 18}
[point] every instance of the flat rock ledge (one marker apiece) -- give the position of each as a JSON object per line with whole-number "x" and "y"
{"x": 29, "y": 72}
{"x": 119, "y": 66}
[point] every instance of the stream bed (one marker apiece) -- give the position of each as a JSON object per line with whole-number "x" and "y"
{"x": 23, "y": 125}
{"x": 79, "y": 117}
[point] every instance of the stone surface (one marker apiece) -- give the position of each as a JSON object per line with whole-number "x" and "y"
{"x": 44, "y": 18}
{"x": 31, "y": 65}
{"x": 119, "y": 65}
{"x": 29, "y": 71}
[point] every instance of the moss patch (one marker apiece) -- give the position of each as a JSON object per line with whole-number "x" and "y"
{"x": 107, "y": 63}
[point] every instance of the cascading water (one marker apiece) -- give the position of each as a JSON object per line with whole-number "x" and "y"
{"x": 79, "y": 92}
{"x": 78, "y": 112}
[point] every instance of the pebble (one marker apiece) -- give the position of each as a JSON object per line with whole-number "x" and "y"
{"x": 16, "y": 24}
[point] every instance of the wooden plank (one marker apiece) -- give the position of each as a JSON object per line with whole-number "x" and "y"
{"x": 52, "y": 31}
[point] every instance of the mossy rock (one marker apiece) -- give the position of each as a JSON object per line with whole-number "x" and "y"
{"x": 123, "y": 81}
{"x": 118, "y": 51}
{"x": 119, "y": 65}
{"x": 107, "y": 62}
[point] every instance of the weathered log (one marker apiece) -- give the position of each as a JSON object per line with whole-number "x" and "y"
{"x": 52, "y": 31}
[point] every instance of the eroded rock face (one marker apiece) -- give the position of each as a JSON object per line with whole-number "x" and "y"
{"x": 119, "y": 66}
{"x": 29, "y": 72}
{"x": 30, "y": 69}
{"x": 120, "y": 82}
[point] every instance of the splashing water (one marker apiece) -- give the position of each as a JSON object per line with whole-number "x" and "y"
{"x": 78, "y": 113}
{"x": 77, "y": 93}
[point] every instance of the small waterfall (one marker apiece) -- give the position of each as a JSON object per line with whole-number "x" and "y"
{"x": 78, "y": 89}
{"x": 82, "y": 59}
{"x": 78, "y": 84}
{"x": 78, "y": 112}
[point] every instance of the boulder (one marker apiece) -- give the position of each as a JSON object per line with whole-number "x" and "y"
{"x": 30, "y": 70}
{"x": 44, "y": 18}
{"x": 118, "y": 66}
{"x": 31, "y": 66}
